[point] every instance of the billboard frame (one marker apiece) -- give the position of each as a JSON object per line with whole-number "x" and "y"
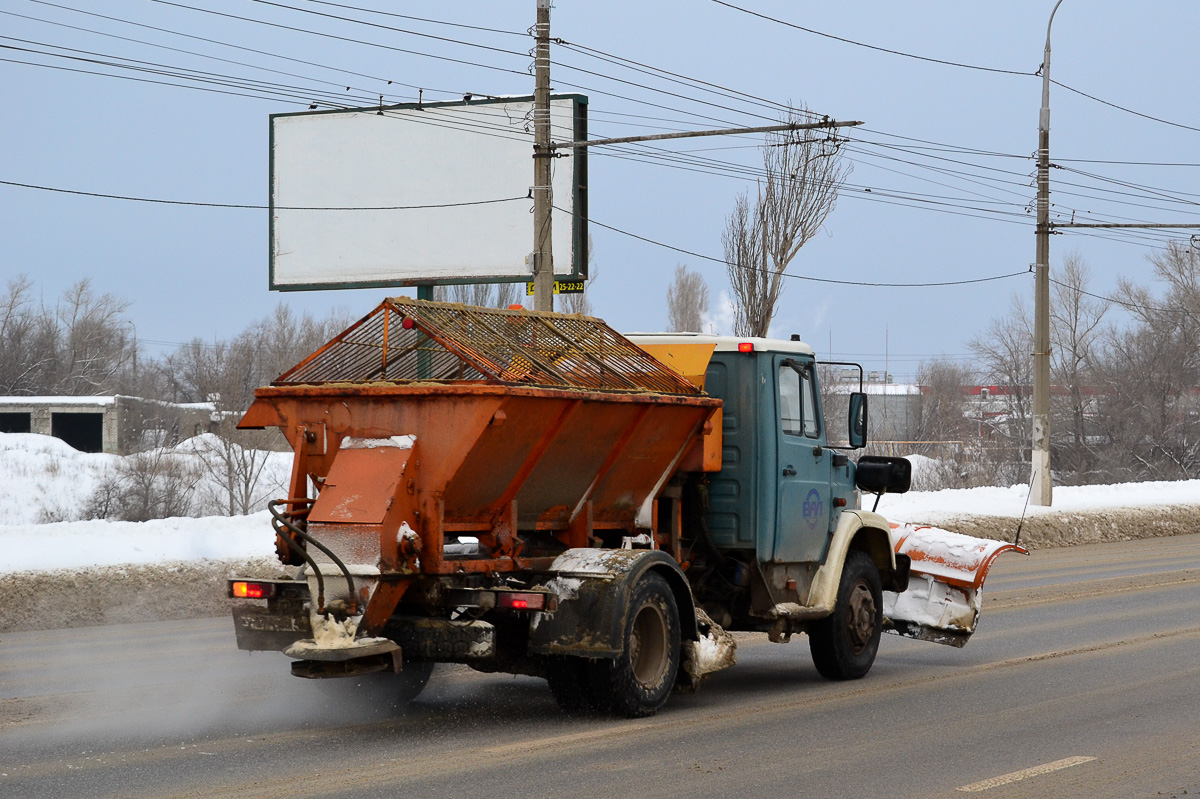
{"x": 579, "y": 187}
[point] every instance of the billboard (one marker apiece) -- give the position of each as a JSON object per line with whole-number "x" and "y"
{"x": 435, "y": 192}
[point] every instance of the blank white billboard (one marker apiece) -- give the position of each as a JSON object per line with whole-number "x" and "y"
{"x": 440, "y": 192}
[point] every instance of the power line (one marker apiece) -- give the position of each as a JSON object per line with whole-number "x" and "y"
{"x": 259, "y": 207}
{"x": 462, "y": 42}
{"x": 185, "y": 73}
{"x": 198, "y": 54}
{"x": 1115, "y": 301}
{"x": 786, "y": 274}
{"x": 224, "y": 44}
{"x": 344, "y": 38}
{"x": 1123, "y": 108}
{"x": 871, "y": 46}
{"x": 524, "y": 34}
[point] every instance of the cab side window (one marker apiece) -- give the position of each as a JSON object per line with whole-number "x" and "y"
{"x": 808, "y": 404}
{"x": 789, "y": 402}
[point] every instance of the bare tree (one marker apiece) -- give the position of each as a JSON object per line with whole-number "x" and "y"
{"x": 77, "y": 347}
{"x": 1150, "y": 414}
{"x": 941, "y": 409}
{"x": 580, "y": 303}
{"x": 1003, "y": 351}
{"x": 1075, "y": 327}
{"x": 235, "y": 461}
{"x": 803, "y": 175}
{"x": 485, "y": 295}
{"x": 687, "y": 301}
{"x": 22, "y": 360}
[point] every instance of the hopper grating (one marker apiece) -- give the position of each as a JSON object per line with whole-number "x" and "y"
{"x": 412, "y": 340}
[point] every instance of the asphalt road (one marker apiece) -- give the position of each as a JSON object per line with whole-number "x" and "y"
{"x": 1082, "y": 682}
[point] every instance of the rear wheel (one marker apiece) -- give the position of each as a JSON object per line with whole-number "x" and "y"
{"x": 382, "y": 691}
{"x": 570, "y": 680}
{"x": 844, "y": 643}
{"x": 638, "y": 681}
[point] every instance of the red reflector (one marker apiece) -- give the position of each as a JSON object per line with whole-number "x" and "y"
{"x": 515, "y": 601}
{"x": 746, "y": 346}
{"x": 243, "y": 590}
{"x": 408, "y": 323}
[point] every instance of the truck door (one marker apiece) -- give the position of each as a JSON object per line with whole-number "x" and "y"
{"x": 802, "y": 509}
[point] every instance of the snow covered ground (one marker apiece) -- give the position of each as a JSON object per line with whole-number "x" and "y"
{"x": 46, "y": 479}
{"x": 1009, "y": 502}
{"x": 47, "y": 486}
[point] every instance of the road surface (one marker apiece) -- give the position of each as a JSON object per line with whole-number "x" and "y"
{"x": 1082, "y": 682}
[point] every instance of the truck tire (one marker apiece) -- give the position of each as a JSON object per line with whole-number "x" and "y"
{"x": 638, "y": 681}
{"x": 384, "y": 692}
{"x": 844, "y": 644}
{"x": 570, "y": 680}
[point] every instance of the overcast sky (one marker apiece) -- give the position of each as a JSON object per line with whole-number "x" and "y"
{"x": 946, "y": 148}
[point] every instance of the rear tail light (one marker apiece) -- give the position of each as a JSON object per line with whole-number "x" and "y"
{"x": 247, "y": 590}
{"x": 746, "y": 346}
{"x": 519, "y": 601}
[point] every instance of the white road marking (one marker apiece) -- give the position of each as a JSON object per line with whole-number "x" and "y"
{"x": 1016, "y": 776}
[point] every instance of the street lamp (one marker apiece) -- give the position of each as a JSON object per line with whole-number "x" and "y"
{"x": 1041, "y": 488}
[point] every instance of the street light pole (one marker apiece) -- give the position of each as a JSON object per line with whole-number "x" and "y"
{"x": 1041, "y": 488}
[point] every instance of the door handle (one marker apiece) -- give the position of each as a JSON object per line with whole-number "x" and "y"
{"x": 789, "y": 472}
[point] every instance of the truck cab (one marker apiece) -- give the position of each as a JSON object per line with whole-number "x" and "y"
{"x": 783, "y": 509}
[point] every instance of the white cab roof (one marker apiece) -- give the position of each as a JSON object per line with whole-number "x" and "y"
{"x": 723, "y": 343}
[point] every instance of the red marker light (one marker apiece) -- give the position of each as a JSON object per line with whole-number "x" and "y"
{"x": 245, "y": 590}
{"x": 518, "y": 601}
{"x": 746, "y": 346}
{"x": 408, "y": 323}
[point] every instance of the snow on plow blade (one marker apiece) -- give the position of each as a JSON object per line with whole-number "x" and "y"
{"x": 945, "y": 588}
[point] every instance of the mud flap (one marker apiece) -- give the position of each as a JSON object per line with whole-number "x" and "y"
{"x": 945, "y": 589}
{"x": 714, "y": 650}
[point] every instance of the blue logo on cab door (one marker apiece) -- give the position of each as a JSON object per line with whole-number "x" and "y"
{"x": 814, "y": 508}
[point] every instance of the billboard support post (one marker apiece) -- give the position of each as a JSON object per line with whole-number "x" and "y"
{"x": 543, "y": 258}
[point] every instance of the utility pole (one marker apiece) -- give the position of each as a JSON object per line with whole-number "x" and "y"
{"x": 543, "y": 259}
{"x": 1042, "y": 484}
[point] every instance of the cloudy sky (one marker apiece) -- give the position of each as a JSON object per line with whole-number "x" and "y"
{"x": 171, "y": 101}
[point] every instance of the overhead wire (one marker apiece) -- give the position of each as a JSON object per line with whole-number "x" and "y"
{"x": 201, "y": 55}
{"x": 229, "y": 45}
{"x": 888, "y": 50}
{"x": 259, "y": 207}
{"x": 1123, "y": 108}
{"x": 345, "y": 38}
{"x": 931, "y": 284}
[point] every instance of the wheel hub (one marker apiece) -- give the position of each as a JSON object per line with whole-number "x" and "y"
{"x": 648, "y": 649}
{"x": 860, "y": 616}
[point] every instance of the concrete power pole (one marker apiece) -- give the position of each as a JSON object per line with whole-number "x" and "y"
{"x": 1042, "y": 486}
{"x": 543, "y": 259}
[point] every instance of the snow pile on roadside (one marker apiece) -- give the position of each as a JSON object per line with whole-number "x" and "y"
{"x": 928, "y": 506}
{"x": 46, "y": 480}
{"x": 99, "y": 543}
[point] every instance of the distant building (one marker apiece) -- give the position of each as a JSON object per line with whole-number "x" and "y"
{"x": 117, "y": 425}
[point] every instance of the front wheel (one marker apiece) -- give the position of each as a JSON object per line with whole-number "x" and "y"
{"x": 638, "y": 681}
{"x": 844, "y": 644}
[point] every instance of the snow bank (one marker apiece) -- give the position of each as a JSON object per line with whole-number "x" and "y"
{"x": 98, "y": 543}
{"x": 44, "y": 478}
{"x": 930, "y": 506}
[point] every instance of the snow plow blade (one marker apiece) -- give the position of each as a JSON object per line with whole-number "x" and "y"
{"x": 945, "y": 588}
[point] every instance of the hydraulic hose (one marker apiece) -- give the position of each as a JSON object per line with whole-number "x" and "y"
{"x": 273, "y": 506}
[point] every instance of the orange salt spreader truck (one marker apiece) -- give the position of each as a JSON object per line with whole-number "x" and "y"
{"x": 534, "y": 493}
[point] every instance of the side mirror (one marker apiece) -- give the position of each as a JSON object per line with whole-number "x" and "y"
{"x": 878, "y": 474}
{"x": 858, "y": 420}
